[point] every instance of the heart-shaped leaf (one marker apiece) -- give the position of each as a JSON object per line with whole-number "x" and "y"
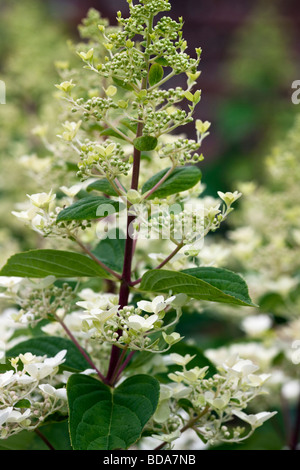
{"x": 105, "y": 418}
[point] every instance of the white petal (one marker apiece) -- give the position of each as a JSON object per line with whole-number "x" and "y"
{"x": 145, "y": 305}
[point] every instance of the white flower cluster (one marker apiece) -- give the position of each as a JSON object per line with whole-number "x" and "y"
{"x": 210, "y": 404}
{"x": 184, "y": 222}
{"x": 37, "y": 299}
{"x": 29, "y": 392}
{"x": 41, "y": 215}
{"x": 128, "y": 327}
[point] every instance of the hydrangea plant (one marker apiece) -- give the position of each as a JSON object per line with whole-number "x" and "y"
{"x": 101, "y": 314}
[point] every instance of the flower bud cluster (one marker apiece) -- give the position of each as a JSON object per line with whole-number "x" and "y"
{"x": 106, "y": 159}
{"x": 128, "y": 326}
{"x": 181, "y": 151}
{"x": 38, "y": 300}
{"x": 187, "y": 223}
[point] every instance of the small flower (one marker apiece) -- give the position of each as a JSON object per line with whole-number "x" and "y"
{"x": 100, "y": 315}
{"x": 42, "y": 200}
{"x": 4, "y": 414}
{"x": 255, "y": 420}
{"x": 141, "y": 324}
{"x": 40, "y": 370}
{"x": 202, "y": 127}
{"x": 66, "y": 86}
{"x": 219, "y": 402}
{"x": 258, "y": 380}
{"x": 239, "y": 367}
{"x": 71, "y": 129}
{"x": 181, "y": 360}
{"x": 28, "y": 358}
{"x": 94, "y": 301}
{"x": 72, "y": 191}
{"x": 193, "y": 375}
{"x": 172, "y": 338}
{"x": 157, "y": 305}
{"x": 229, "y": 198}
{"x": 59, "y": 393}
{"x": 86, "y": 56}
{"x": 18, "y": 417}
{"x": 39, "y": 223}
{"x": 27, "y": 215}
{"x": 6, "y": 378}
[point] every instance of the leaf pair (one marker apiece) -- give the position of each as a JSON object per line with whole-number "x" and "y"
{"x": 100, "y": 417}
{"x": 207, "y": 283}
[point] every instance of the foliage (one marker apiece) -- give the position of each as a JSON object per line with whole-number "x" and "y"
{"x": 122, "y": 314}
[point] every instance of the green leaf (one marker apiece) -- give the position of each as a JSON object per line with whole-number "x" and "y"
{"x": 156, "y": 74}
{"x": 145, "y": 143}
{"x": 43, "y": 263}
{"x": 89, "y": 208}
{"x": 129, "y": 124}
{"x": 50, "y": 346}
{"x": 179, "y": 180}
{"x": 111, "y": 250}
{"x": 211, "y": 284}
{"x": 104, "y": 418}
{"x": 162, "y": 61}
{"x": 120, "y": 83}
{"x": 103, "y": 186}
{"x": 24, "y": 403}
{"x": 112, "y": 133}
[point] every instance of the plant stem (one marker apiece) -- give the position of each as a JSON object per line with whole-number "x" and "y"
{"x": 188, "y": 425}
{"x": 94, "y": 258}
{"x": 129, "y": 244}
{"x": 296, "y": 433}
{"x": 163, "y": 179}
{"x": 80, "y": 349}
{"x": 124, "y": 365}
{"x": 126, "y": 274}
{"x": 44, "y": 439}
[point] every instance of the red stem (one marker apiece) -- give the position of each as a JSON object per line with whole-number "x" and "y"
{"x": 129, "y": 246}
{"x": 296, "y": 433}
{"x": 80, "y": 349}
